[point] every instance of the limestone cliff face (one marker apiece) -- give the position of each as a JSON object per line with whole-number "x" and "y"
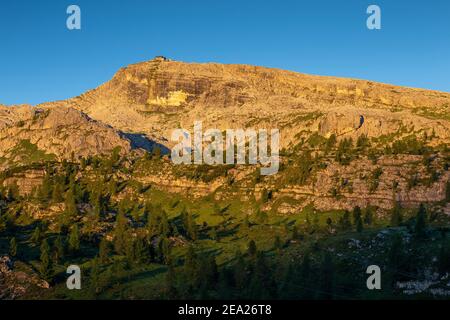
{"x": 158, "y": 96}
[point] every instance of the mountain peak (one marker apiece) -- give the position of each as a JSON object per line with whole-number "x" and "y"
{"x": 159, "y": 95}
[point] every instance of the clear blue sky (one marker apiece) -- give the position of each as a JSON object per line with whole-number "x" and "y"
{"x": 40, "y": 60}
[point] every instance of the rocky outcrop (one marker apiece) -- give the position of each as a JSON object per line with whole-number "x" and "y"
{"x": 26, "y": 181}
{"x": 18, "y": 284}
{"x": 28, "y": 133}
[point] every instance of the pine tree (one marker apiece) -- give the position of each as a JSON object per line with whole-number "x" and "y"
{"x": 36, "y": 236}
{"x": 13, "y": 247}
{"x": 104, "y": 251}
{"x": 153, "y": 221}
{"x": 239, "y": 271}
{"x": 278, "y": 244}
{"x": 191, "y": 227}
{"x": 120, "y": 232}
{"x": 287, "y": 288}
{"x": 59, "y": 249}
{"x": 74, "y": 239}
{"x": 265, "y": 195}
{"x": 213, "y": 234}
{"x": 357, "y": 220}
{"x": 396, "y": 215}
{"x": 94, "y": 276}
{"x": 98, "y": 203}
{"x": 305, "y": 277}
{"x": 331, "y": 142}
{"x": 45, "y": 267}
{"x": 395, "y": 258}
{"x": 295, "y": 234}
{"x": 329, "y": 224}
{"x": 447, "y": 191}
{"x": 164, "y": 226}
{"x": 164, "y": 248}
{"x": 368, "y": 216}
{"x": 170, "y": 282}
{"x": 245, "y": 225}
{"x": 344, "y": 221}
{"x": 261, "y": 216}
{"x": 70, "y": 203}
{"x": 444, "y": 260}
{"x": 252, "y": 250}
{"x": 212, "y": 271}
{"x": 326, "y": 278}
{"x": 57, "y": 193}
{"x": 420, "y": 225}
{"x": 147, "y": 211}
{"x": 308, "y": 222}
{"x": 359, "y": 225}
{"x": 130, "y": 252}
{"x": 190, "y": 266}
{"x": 141, "y": 252}
{"x": 136, "y": 213}
{"x": 45, "y": 190}
{"x": 261, "y": 285}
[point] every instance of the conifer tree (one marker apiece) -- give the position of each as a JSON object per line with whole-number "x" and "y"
{"x": 165, "y": 251}
{"x": 368, "y": 216}
{"x": 245, "y": 224}
{"x": 164, "y": 226}
{"x": 13, "y": 247}
{"x": 239, "y": 271}
{"x": 345, "y": 222}
{"x": 278, "y": 244}
{"x": 444, "y": 260}
{"x": 70, "y": 203}
{"x": 357, "y": 219}
{"x": 190, "y": 226}
{"x": 295, "y": 234}
{"x": 104, "y": 251}
{"x": 396, "y": 258}
{"x": 94, "y": 276}
{"x": 120, "y": 232}
{"x": 74, "y": 239}
{"x": 396, "y": 215}
{"x": 212, "y": 271}
{"x": 36, "y": 236}
{"x": 45, "y": 190}
{"x": 130, "y": 251}
{"x": 170, "y": 282}
{"x": 329, "y": 224}
{"x": 45, "y": 267}
{"x": 57, "y": 193}
{"x": 141, "y": 252}
{"x": 305, "y": 277}
{"x": 190, "y": 265}
{"x": 326, "y": 278}
{"x": 59, "y": 249}
{"x": 420, "y": 225}
{"x": 252, "y": 250}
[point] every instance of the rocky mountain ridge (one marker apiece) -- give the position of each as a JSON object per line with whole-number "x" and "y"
{"x": 147, "y": 101}
{"x": 159, "y": 96}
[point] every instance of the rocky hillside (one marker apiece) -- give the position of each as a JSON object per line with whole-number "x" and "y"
{"x": 14, "y": 284}
{"x": 399, "y": 136}
{"x": 160, "y": 95}
{"x": 29, "y": 134}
